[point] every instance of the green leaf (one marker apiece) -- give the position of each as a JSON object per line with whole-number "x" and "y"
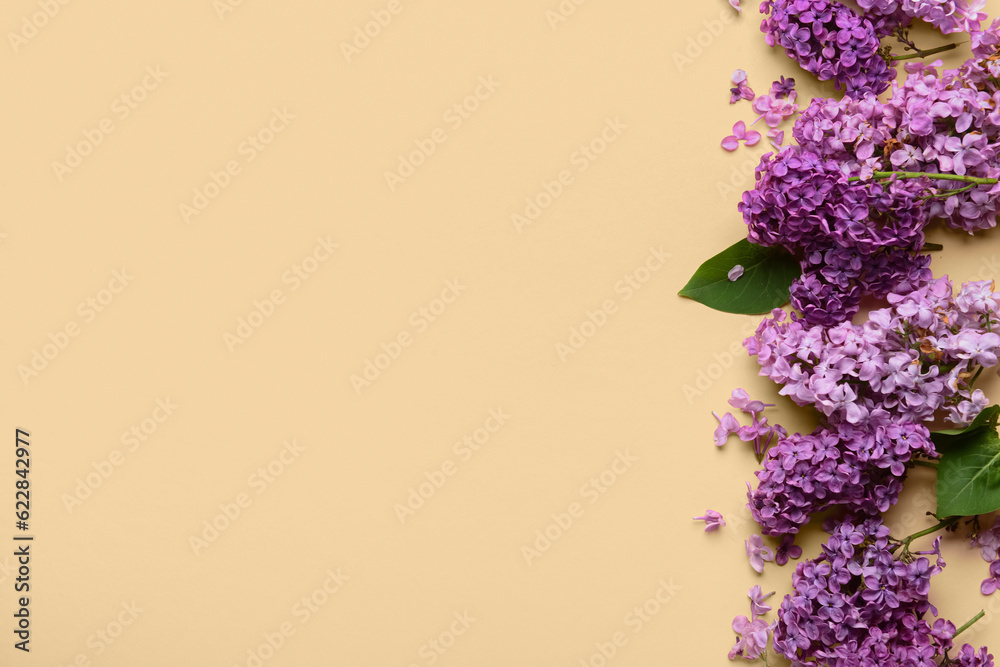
{"x": 767, "y": 276}
{"x": 987, "y": 418}
{"x": 969, "y": 473}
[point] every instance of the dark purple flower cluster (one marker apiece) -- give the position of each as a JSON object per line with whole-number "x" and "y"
{"x": 856, "y": 605}
{"x": 862, "y": 469}
{"x": 830, "y": 40}
{"x": 852, "y": 238}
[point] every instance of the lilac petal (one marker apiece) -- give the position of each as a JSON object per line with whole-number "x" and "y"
{"x": 730, "y": 143}
{"x": 736, "y": 5}
{"x": 737, "y": 271}
{"x": 740, "y": 129}
{"x": 752, "y": 138}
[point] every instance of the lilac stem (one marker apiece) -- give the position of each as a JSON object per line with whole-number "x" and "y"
{"x": 924, "y": 54}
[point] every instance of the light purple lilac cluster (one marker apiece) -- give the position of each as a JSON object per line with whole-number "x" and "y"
{"x": 988, "y": 542}
{"x": 948, "y": 16}
{"x": 858, "y": 605}
{"x": 830, "y": 40}
{"x": 907, "y": 362}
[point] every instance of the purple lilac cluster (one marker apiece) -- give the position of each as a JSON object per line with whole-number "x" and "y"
{"x": 907, "y": 362}
{"x": 857, "y": 233}
{"x": 852, "y": 238}
{"x": 830, "y": 40}
{"x": 857, "y": 605}
{"x": 862, "y": 469}
{"x": 875, "y": 384}
{"x": 949, "y": 122}
{"x": 944, "y": 122}
{"x": 851, "y": 202}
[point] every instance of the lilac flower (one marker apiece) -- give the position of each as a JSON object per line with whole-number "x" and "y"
{"x": 986, "y": 41}
{"x": 935, "y": 550}
{"x": 758, "y": 431}
{"x": 757, "y": 552}
{"x": 774, "y": 111}
{"x": 787, "y": 550}
{"x": 969, "y": 657}
{"x": 713, "y": 520}
{"x": 741, "y": 89}
{"x": 858, "y": 468}
{"x": 992, "y": 583}
{"x": 742, "y": 401}
{"x": 857, "y": 606}
{"x": 757, "y": 606}
{"x": 783, "y": 88}
{"x": 776, "y": 137}
{"x": 735, "y": 273}
{"x": 901, "y": 367}
{"x": 740, "y": 133}
{"x": 980, "y": 348}
{"x": 988, "y": 541}
{"x": 852, "y": 238}
{"x": 944, "y": 121}
{"x": 752, "y": 642}
{"x": 830, "y": 40}
{"x": 727, "y": 426}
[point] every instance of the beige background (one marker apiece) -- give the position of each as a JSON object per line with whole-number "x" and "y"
{"x": 334, "y": 507}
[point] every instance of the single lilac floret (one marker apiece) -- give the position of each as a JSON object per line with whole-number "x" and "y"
{"x": 713, "y": 520}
